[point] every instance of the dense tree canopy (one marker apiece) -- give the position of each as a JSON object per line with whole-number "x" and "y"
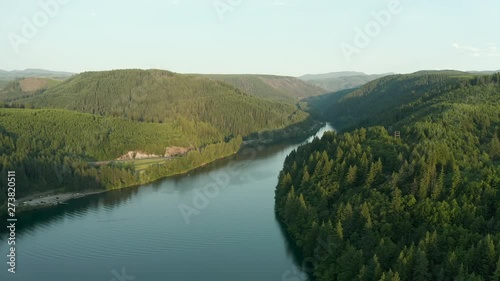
{"x": 161, "y": 97}
{"x": 425, "y": 206}
{"x": 270, "y": 86}
{"x": 99, "y": 116}
{"x": 53, "y": 149}
{"x": 368, "y": 105}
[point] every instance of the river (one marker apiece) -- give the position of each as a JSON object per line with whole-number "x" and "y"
{"x": 216, "y": 223}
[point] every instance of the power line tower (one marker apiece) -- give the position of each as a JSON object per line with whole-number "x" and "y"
{"x": 397, "y": 134}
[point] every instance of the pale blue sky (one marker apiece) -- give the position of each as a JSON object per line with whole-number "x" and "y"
{"x": 287, "y": 37}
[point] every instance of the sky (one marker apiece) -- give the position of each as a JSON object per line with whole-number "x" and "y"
{"x": 283, "y": 37}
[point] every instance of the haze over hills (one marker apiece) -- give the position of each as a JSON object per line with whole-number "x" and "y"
{"x": 13, "y": 90}
{"x": 330, "y": 75}
{"x": 336, "y": 81}
{"x": 7, "y": 76}
{"x": 266, "y": 86}
{"x": 484, "y": 72}
{"x": 32, "y": 72}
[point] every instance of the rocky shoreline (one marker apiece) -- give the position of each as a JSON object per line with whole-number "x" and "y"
{"x": 49, "y": 199}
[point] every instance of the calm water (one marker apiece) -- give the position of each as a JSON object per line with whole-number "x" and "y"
{"x": 140, "y": 233}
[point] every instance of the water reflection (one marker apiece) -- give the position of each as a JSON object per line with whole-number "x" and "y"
{"x": 145, "y": 221}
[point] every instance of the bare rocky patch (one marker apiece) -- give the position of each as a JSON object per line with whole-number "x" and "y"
{"x": 172, "y": 151}
{"x": 33, "y": 84}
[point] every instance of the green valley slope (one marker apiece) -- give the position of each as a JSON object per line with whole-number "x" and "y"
{"x": 385, "y": 96}
{"x": 52, "y": 149}
{"x": 365, "y": 205}
{"x": 162, "y": 96}
{"x": 25, "y": 87}
{"x": 67, "y": 135}
{"x": 271, "y": 86}
{"x": 8, "y": 76}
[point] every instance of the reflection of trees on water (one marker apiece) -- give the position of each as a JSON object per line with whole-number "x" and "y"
{"x": 292, "y": 250}
{"x": 30, "y": 220}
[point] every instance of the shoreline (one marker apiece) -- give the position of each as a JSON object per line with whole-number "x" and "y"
{"x": 60, "y": 197}
{"x": 50, "y": 199}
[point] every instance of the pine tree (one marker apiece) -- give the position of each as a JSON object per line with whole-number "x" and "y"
{"x": 365, "y": 213}
{"x": 496, "y": 274}
{"x": 352, "y": 175}
{"x": 421, "y": 269}
{"x": 438, "y": 187}
{"x": 339, "y": 230}
{"x": 494, "y": 148}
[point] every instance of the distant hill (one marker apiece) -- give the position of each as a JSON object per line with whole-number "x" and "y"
{"x": 42, "y": 73}
{"x": 271, "y": 86}
{"x": 163, "y": 96}
{"x": 441, "y": 72}
{"x": 487, "y": 72}
{"x": 331, "y": 75}
{"x": 337, "y": 81}
{"x": 8, "y": 76}
{"x": 25, "y": 87}
{"x": 365, "y": 105}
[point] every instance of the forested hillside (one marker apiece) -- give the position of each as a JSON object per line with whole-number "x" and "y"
{"x": 366, "y": 205}
{"x": 271, "y": 87}
{"x": 368, "y": 105}
{"x": 7, "y": 77}
{"x": 68, "y": 134}
{"x": 51, "y": 149}
{"x": 162, "y": 96}
{"x": 25, "y": 88}
{"x": 320, "y": 106}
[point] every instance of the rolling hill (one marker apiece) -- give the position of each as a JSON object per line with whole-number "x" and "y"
{"x": 31, "y": 72}
{"x": 271, "y": 87}
{"x": 331, "y": 75}
{"x": 363, "y": 106}
{"x": 74, "y": 134}
{"x": 9, "y": 90}
{"x": 485, "y": 72}
{"x": 162, "y": 96}
{"x": 25, "y": 87}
